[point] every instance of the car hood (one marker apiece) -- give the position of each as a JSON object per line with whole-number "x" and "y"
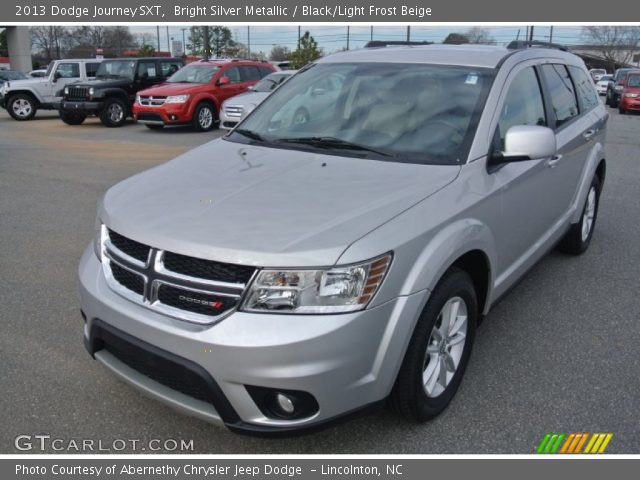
{"x": 632, "y": 90}
{"x": 167, "y": 89}
{"x": 264, "y": 206}
{"x": 112, "y": 83}
{"x": 247, "y": 98}
{"x": 27, "y": 82}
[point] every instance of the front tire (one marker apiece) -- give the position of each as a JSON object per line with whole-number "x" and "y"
{"x": 114, "y": 113}
{"x": 439, "y": 349}
{"x": 204, "y": 117}
{"x": 22, "y": 107}
{"x": 578, "y": 238}
{"x": 71, "y": 118}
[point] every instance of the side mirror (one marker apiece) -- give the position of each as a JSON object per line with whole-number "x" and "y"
{"x": 528, "y": 142}
{"x": 56, "y": 76}
{"x": 224, "y": 81}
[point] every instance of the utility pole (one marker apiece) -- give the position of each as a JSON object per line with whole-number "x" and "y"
{"x": 184, "y": 45}
{"x": 526, "y": 35}
{"x": 531, "y": 33}
{"x": 298, "y": 37}
{"x": 551, "y": 34}
{"x": 158, "y": 36}
{"x": 249, "y": 42}
{"x": 372, "y": 33}
{"x": 206, "y": 42}
{"x": 347, "y": 37}
{"x": 168, "y": 42}
{"x": 408, "y": 33}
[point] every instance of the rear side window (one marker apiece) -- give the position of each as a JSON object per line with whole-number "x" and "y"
{"x": 264, "y": 71}
{"x": 584, "y": 86}
{"x": 147, "y": 70}
{"x": 250, "y": 74}
{"x": 91, "y": 68}
{"x": 68, "y": 70}
{"x": 168, "y": 68}
{"x": 523, "y": 104}
{"x": 563, "y": 95}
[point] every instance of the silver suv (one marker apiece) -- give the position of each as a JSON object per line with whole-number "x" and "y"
{"x": 305, "y": 267}
{"x": 23, "y": 98}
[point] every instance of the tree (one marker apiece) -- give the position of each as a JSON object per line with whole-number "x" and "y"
{"x": 617, "y": 43}
{"x": 479, "y": 35}
{"x": 4, "y": 49}
{"x": 146, "y": 50}
{"x": 279, "y": 53}
{"x": 306, "y": 52}
{"x": 49, "y": 40}
{"x": 143, "y": 39}
{"x": 456, "y": 39}
{"x": 221, "y": 42}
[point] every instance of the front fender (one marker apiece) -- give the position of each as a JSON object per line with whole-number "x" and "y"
{"x": 596, "y": 155}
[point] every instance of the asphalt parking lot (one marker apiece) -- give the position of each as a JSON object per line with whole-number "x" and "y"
{"x": 559, "y": 354}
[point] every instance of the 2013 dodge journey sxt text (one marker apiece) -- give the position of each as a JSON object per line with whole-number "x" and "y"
{"x": 339, "y": 246}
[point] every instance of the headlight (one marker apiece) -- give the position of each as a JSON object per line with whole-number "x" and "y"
{"x": 618, "y": 88}
{"x": 138, "y": 99}
{"x": 66, "y": 90}
{"x": 631, "y": 95}
{"x": 91, "y": 91}
{"x": 177, "y": 99}
{"x": 330, "y": 290}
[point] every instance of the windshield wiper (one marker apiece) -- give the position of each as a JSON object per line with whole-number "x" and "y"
{"x": 333, "y": 142}
{"x": 249, "y": 134}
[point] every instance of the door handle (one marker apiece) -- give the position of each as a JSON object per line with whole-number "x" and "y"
{"x": 588, "y": 134}
{"x": 553, "y": 161}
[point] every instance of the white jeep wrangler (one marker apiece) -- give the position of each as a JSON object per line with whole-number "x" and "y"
{"x": 23, "y": 98}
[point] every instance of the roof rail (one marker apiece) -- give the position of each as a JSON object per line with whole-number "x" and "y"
{"x": 386, "y": 43}
{"x": 521, "y": 44}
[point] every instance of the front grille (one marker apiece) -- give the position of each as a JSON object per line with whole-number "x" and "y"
{"x": 233, "y": 111}
{"x": 78, "y": 93}
{"x": 207, "y": 269}
{"x": 129, "y": 280}
{"x": 152, "y": 101}
{"x": 203, "y": 304}
{"x": 151, "y": 117}
{"x": 132, "y": 248}
{"x": 187, "y": 288}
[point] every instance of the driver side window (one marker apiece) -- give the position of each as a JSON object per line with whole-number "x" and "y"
{"x": 523, "y": 104}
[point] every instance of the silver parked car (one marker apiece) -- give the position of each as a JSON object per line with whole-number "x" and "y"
{"x": 236, "y": 108}
{"x": 292, "y": 273}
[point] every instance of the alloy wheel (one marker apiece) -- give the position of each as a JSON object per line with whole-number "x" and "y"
{"x": 589, "y": 214}
{"x": 116, "y": 112}
{"x": 205, "y": 118}
{"x": 22, "y": 107}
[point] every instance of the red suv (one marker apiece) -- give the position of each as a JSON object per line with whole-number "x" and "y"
{"x": 194, "y": 94}
{"x": 630, "y": 98}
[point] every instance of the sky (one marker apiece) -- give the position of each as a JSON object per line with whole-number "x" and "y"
{"x": 334, "y": 38}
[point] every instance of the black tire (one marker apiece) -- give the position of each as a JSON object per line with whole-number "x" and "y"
{"x": 22, "y": 106}
{"x": 574, "y": 242}
{"x": 621, "y": 110}
{"x": 301, "y": 116}
{"x": 72, "y": 118}
{"x": 607, "y": 99}
{"x": 114, "y": 113}
{"x": 153, "y": 126}
{"x": 613, "y": 103}
{"x": 409, "y": 396}
{"x": 204, "y": 117}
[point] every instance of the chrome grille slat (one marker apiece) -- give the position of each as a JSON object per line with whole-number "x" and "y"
{"x": 233, "y": 110}
{"x": 152, "y": 101}
{"x": 191, "y": 296}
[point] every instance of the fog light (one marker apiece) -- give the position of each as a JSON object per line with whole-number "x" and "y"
{"x": 285, "y": 404}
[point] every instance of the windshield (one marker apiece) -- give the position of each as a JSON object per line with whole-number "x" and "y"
{"x": 606, "y": 78}
{"x": 416, "y": 113}
{"x": 194, "y": 74}
{"x": 634, "y": 81}
{"x": 116, "y": 69}
{"x": 270, "y": 82}
{"x": 12, "y": 75}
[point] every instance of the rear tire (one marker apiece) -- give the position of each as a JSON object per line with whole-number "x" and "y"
{"x": 113, "y": 113}
{"x": 578, "y": 238}
{"x": 435, "y": 362}
{"x": 204, "y": 117}
{"x": 613, "y": 103}
{"x": 71, "y": 118}
{"x": 22, "y": 107}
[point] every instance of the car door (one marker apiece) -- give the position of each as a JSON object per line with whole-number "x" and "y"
{"x": 147, "y": 75}
{"x": 571, "y": 102}
{"x": 64, "y": 74}
{"x": 527, "y": 202}
{"x": 235, "y": 85}
{"x": 91, "y": 68}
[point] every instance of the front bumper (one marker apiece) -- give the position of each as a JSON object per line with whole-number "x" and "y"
{"x": 627, "y": 103}
{"x": 346, "y": 362}
{"x": 167, "y": 114}
{"x": 81, "y": 106}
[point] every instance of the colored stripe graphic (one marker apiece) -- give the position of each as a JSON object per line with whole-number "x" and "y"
{"x": 572, "y": 443}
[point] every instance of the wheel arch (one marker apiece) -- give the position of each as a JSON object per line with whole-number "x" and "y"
{"x": 24, "y": 91}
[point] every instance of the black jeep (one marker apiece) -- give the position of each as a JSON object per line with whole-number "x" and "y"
{"x": 111, "y": 95}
